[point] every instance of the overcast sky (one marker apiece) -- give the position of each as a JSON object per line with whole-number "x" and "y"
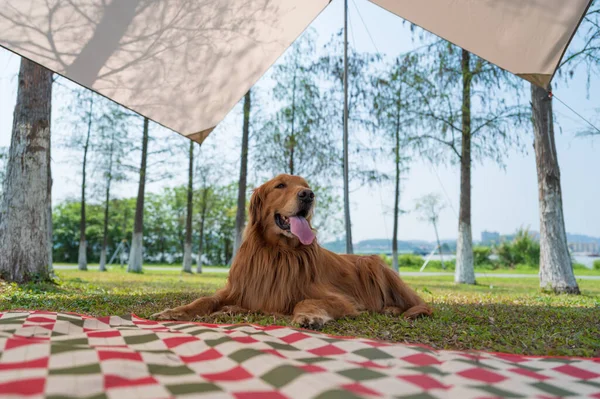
{"x": 503, "y": 200}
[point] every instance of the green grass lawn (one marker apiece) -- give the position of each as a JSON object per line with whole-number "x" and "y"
{"x": 117, "y": 265}
{"x": 520, "y": 269}
{"x": 499, "y": 314}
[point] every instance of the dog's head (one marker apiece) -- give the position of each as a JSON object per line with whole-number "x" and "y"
{"x": 282, "y": 209}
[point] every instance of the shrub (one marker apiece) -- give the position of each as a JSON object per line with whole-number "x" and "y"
{"x": 597, "y": 265}
{"x": 481, "y": 256}
{"x": 505, "y": 254}
{"x": 410, "y": 260}
{"x": 522, "y": 250}
{"x": 416, "y": 261}
{"x": 437, "y": 265}
{"x": 579, "y": 266}
{"x": 386, "y": 259}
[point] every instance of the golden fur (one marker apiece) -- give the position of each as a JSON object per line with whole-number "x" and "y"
{"x": 274, "y": 273}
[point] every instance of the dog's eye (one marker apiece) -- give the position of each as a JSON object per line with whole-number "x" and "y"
{"x": 280, "y": 185}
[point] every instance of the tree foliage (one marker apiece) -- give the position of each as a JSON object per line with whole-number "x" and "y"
{"x": 295, "y": 138}
{"x": 394, "y": 115}
{"x": 497, "y": 116}
{"x": 522, "y": 250}
{"x": 587, "y": 53}
{"x": 164, "y": 225}
{"x": 429, "y": 207}
{"x": 361, "y": 67}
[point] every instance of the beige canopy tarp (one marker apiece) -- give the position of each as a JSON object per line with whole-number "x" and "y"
{"x": 181, "y": 63}
{"x": 525, "y": 37}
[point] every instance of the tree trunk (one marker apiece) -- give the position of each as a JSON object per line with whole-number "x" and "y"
{"x": 124, "y": 255}
{"x": 240, "y": 216}
{"x": 225, "y": 251}
{"x": 161, "y": 240}
{"x": 82, "y": 261}
{"x": 556, "y": 268}
{"x": 49, "y": 218}
{"x": 135, "y": 253}
{"x": 292, "y": 141}
{"x": 201, "y": 240}
{"x": 25, "y": 222}
{"x": 465, "y": 272}
{"x": 437, "y": 237}
{"x": 187, "y": 247}
{"x": 396, "y": 194}
{"x": 180, "y": 230}
{"x": 102, "y": 266}
{"x": 347, "y": 221}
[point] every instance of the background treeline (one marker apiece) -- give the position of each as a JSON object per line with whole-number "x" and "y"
{"x": 164, "y": 226}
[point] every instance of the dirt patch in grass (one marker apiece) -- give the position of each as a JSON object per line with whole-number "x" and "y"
{"x": 499, "y": 314}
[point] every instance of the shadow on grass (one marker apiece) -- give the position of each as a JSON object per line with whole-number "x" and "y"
{"x": 524, "y": 329}
{"x": 499, "y": 327}
{"x": 473, "y": 318}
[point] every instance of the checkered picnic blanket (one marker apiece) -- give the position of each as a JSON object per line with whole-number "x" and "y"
{"x": 63, "y": 355}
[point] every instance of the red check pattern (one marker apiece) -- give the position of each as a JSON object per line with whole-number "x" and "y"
{"x": 63, "y": 355}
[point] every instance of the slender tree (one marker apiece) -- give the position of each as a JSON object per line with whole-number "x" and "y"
{"x": 240, "y": 217}
{"x": 221, "y": 220}
{"x": 392, "y": 105}
{"x": 102, "y": 266}
{"x": 345, "y": 141}
{"x": 113, "y": 147}
{"x": 357, "y": 75}
{"x": 469, "y": 133}
{"x": 163, "y": 223}
{"x": 465, "y": 268}
{"x": 109, "y": 178}
{"x": 210, "y": 174}
{"x": 82, "y": 115}
{"x": 556, "y": 268}
{"x": 26, "y": 247}
{"x": 205, "y": 202}
{"x": 124, "y": 252}
{"x": 82, "y": 261}
{"x": 136, "y": 252}
{"x": 187, "y": 248}
{"x": 294, "y": 138}
{"x": 429, "y": 207}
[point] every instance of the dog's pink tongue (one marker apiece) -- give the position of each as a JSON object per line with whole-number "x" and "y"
{"x": 301, "y": 229}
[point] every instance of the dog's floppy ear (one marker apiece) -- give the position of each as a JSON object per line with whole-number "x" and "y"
{"x": 256, "y": 204}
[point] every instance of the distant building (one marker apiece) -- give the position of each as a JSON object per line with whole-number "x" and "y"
{"x": 585, "y": 247}
{"x": 490, "y": 237}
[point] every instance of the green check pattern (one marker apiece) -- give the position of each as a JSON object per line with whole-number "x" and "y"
{"x": 64, "y": 355}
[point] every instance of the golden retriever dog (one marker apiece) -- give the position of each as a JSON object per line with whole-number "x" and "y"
{"x": 281, "y": 269}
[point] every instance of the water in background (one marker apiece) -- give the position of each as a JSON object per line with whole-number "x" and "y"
{"x": 588, "y": 261}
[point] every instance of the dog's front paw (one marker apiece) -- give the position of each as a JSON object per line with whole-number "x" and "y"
{"x": 172, "y": 314}
{"x": 310, "y": 321}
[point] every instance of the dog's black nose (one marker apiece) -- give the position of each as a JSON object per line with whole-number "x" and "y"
{"x": 306, "y": 195}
